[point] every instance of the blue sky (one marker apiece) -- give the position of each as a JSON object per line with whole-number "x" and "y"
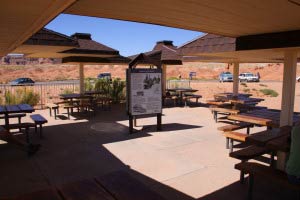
{"x": 127, "y": 37}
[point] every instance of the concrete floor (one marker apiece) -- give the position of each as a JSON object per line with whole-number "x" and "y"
{"x": 187, "y": 160}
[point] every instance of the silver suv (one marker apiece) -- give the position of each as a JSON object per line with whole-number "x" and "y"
{"x": 248, "y": 77}
{"x": 225, "y": 77}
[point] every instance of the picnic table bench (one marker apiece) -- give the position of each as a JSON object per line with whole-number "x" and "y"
{"x": 236, "y": 126}
{"x": 223, "y": 111}
{"x": 269, "y": 173}
{"x": 39, "y": 120}
{"x": 245, "y": 154}
{"x": 188, "y": 97}
{"x": 54, "y": 107}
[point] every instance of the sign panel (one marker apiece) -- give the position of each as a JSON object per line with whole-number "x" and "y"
{"x": 145, "y": 91}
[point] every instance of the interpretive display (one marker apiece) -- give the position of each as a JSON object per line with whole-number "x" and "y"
{"x": 145, "y": 92}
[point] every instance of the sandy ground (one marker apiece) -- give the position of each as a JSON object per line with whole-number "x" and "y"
{"x": 208, "y": 89}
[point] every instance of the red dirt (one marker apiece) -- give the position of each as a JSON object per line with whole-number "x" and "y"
{"x": 204, "y": 71}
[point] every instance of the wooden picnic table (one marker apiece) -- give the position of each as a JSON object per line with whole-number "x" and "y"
{"x": 244, "y": 100}
{"x": 181, "y": 92}
{"x": 10, "y": 109}
{"x": 263, "y": 117}
{"x": 224, "y": 96}
{"x": 280, "y": 144}
{"x": 275, "y": 140}
{"x": 264, "y": 137}
{"x": 75, "y": 96}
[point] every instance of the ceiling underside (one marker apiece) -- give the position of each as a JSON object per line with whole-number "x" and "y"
{"x": 229, "y": 18}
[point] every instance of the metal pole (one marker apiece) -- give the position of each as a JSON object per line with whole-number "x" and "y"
{"x": 235, "y": 89}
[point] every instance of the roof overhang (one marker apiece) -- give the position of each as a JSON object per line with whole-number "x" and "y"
{"x": 261, "y": 48}
{"x": 117, "y": 60}
{"x": 230, "y": 18}
{"x": 20, "y": 20}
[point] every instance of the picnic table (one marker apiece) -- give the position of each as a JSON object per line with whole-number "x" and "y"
{"x": 265, "y": 117}
{"x": 224, "y": 96}
{"x": 181, "y": 92}
{"x": 75, "y": 96}
{"x": 264, "y": 137}
{"x": 12, "y": 109}
{"x": 275, "y": 140}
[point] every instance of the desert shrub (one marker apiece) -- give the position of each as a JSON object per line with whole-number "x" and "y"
{"x": 22, "y": 96}
{"x": 103, "y": 86}
{"x": 254, "y": 89}
{"x": 244, "y": 84}
{"x": 246, "y": 90}
{"x": 269, "y": 92}
{"x": 114, "y": 89}
{"x": 89, "y": 84}
{"x": 67, "y": 91}
{"x": 173, "y": 78}
{"x": 263, "y": 85}
{"x": 117, "y": 90}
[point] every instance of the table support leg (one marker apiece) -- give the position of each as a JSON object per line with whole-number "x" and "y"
{"x": 250, "y": 187}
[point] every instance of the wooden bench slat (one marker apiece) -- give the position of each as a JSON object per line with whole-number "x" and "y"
{"x": 272, "y": 174}
{"x": 52, "y": 105}
{"x": 15, "y": 115}
{"x": 249, "y": 152}
{"x": 225, "y": 110}
{"x": 233, "y": 127}
{"x": 22, "y": 125}
{"x": 236, "y": 136}
{"x": 86, "y": 190}
{"x": 38, "y": 119}
{"x": 125, "y": 187}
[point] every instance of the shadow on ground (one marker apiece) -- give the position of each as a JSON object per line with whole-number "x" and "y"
{"x": 72, "y": 152}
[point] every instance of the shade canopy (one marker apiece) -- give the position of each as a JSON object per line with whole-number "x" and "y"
{"x": 230, "y": 18}
{"x": 165, "y": 52}
{"x": 216, "y": 48}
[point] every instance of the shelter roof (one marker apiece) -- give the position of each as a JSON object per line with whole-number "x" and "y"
{"x": 51, "y": 44}
{"x": 165, "y": 51}
{"x": 216, "y": 48}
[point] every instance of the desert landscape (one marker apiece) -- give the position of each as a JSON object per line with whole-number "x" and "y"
{"x": 205, "y": 82}
{"x": 204, "y": 71}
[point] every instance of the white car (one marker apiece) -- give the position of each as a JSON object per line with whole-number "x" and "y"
{"x": 248, "y": 77}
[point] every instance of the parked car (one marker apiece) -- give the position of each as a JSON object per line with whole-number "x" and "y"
{"x": 105, "y": 75}
{"x": 248, "y": 77}
{"x": 298, "y": 79}
{"x": 22, "y": 81}
{"x": 225, "y": 77}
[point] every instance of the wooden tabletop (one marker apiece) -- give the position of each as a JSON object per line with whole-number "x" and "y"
{"x": 263, "y": 137}
{"x": 280, "y": 144}
{"x": 20, "y": 108}
{"x": 75, "y": 96}
{"x": 182, "y": 90}
{"x": 263, "y": 117}
{"x": 245, "y": 100}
